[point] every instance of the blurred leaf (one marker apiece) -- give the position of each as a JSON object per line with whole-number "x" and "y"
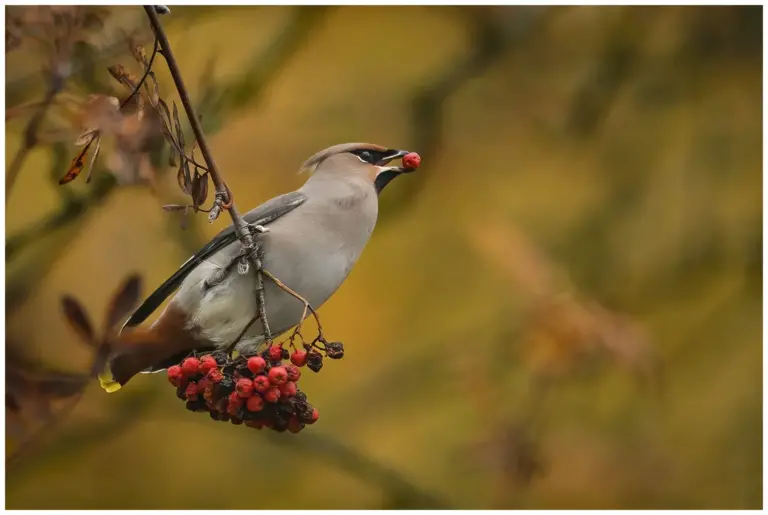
{"x": 124, "y": 301}
{"x": 78, "y": 319}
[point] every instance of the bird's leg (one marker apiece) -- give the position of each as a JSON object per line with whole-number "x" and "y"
{"x": 307, "y": 307}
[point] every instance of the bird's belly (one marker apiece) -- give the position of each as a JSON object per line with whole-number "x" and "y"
{"x": 225, "y": 310}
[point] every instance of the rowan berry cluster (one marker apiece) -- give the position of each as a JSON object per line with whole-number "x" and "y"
{"x": 258, "y": 390}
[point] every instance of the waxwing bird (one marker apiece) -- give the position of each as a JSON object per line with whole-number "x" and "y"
{"x": 313, "y": 237}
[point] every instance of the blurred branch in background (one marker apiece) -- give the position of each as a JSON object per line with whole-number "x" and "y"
{"x": 621, "y": 54}
{"x": 401, "y": 493}
{"x": 493, "y": 32}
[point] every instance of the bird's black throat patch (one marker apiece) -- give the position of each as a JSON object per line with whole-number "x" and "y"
{"x": 383, "y": 179}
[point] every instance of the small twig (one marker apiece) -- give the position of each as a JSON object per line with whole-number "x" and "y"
{"x": 144, "y": 77}
{"x": 307, "y": 305}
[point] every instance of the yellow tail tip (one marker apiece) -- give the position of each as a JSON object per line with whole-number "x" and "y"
{"x": 107, "y": 381}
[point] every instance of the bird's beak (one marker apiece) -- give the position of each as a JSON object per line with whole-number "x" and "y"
{"x": 385, "y": 174}
{"x": 395, "y": 154}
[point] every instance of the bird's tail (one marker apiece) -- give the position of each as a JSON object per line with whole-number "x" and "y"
{"x": 136, "y": 350}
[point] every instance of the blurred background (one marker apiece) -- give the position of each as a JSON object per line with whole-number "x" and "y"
{"x": 562, "y": 309}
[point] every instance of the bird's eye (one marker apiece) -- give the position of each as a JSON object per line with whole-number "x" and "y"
{"x": 366, "y": 156}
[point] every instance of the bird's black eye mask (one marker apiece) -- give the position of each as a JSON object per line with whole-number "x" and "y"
{"x": 376, "y": 157}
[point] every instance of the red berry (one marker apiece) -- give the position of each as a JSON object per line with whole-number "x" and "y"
{"x": 234, "y": 404}
{"x": 256, "y": 364}
{"x": 234, "y": 398}
{"x": 215, "y": 375}
{"x": 190, "y": 366}
{"x": 288, "y": 389}
{"x": 244, "y": 387}
{"x": 207, "y": 363}
{"x": 412, "y": 160}
{"x": 293, "y": 372}
{"x": 295, "y": 425}
{"x": 275, "y": 352}
{"x": 261, "y": 384}
{"x": 314, "y": 417}
{"x": 203, "y": 384}
{"x": 191, "y": 391}
{"x": 255, "y": 403}
{"x": 278, "y": 375}
{"x": 299, "y": 358}
{"x": 175, "y": 375}
{"x": 256, "y": 424}
{"x": 272, "y": 395}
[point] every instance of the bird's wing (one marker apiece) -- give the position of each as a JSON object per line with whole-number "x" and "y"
{"x": 263, "y": 215}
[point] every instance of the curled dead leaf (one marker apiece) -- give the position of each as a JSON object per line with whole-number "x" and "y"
{"x": 78, "y": 163}
{"x": 75, "y": 314}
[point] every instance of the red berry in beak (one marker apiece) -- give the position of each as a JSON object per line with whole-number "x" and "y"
{"x": 256, "y": 364}
{"x": 255, "y": 403}
{"x": 190, "y": 366}
{"x": 244, "y": 387}
{"x": 261, "y": 384}
{"x": 175, "y": 375}
{"x": 278, "y": 375}
{"x": 272, "y": 395}
{"x": 314, "y": 417}
{"x": 412, "y": 160}
{"x": 299, "y": 358}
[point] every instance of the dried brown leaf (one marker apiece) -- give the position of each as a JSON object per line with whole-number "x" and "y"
{"x": 78, "y": 163}
{"x": 179, "y": 132}
{"x": 139, "y": 54}
{"x": 78, "y": 319}
{"x": 183, "y": 178}
{"x": 167, "y": 113}
{"x": 123, "y": 76}
{"x": 123, "y": 302}
{"x": 172, "y": 157}
{"x": 199, "y": 188}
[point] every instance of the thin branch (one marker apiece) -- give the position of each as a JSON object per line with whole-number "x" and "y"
{"x": 222, "y": 191}
{"x": 30, "y": 136}
{"x": 213, "y": 169}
